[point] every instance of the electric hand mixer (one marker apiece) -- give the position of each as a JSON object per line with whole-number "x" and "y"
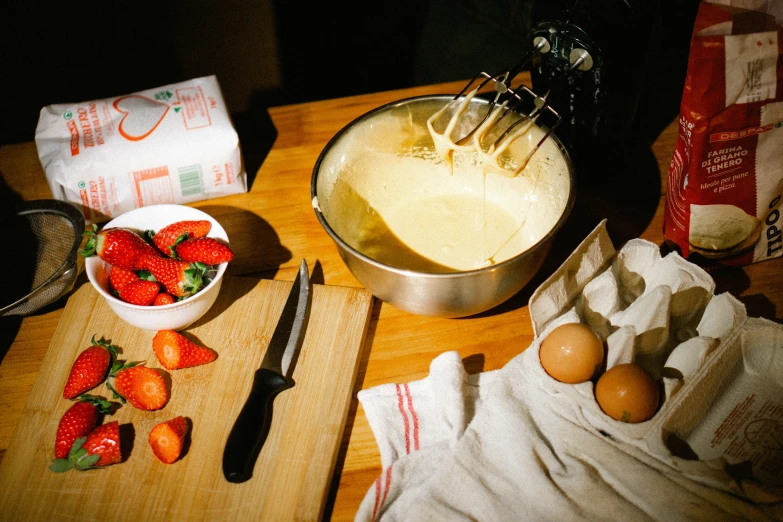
{"x": 588, "y": 60}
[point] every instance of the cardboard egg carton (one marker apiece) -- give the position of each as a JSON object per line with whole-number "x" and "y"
{"x": 721, "y": 371}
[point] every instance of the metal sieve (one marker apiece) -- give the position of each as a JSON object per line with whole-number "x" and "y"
{"x": 45, "y": 236}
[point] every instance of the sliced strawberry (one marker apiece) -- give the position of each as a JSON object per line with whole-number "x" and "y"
{"x": 167, "y": 236}
{"x": 100, "y": 448}
{"x": 144, "y": 388}
{"x": 179, "y": 278}
{"x": 78, "y": 421}
{"x": 168, "y": 438}
{"x": 90, "y": 368}
{"x": 163, "y": 299}
{"x": 119, "y": 277}
{"x": 175, "y": 351}
{"x": 140, "y": 292}
{"x": 207, "y": 250}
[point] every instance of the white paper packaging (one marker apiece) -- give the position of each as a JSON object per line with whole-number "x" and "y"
{"x": 721, "y": 370}
{"x": 171, "y": 144}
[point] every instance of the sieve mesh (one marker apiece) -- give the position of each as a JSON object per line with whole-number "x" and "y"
{"x": 53, "y": 229}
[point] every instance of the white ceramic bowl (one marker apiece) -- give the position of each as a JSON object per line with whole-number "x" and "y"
{"x": 175, "y": 316}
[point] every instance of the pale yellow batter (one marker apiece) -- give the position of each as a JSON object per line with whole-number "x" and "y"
{"x": 460, "y": 218}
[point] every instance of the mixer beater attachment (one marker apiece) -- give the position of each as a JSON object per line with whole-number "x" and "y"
{"x": 494, "y": 133}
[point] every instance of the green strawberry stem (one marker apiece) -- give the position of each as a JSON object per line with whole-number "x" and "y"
{"x": 78, "y": 458}
{"x": 113, "y": 350}
{"x": 104, "y": 406}
{"x": 92, "y": 239}
{"x": 194, "y": 277}
{"x": 173, "y": 249}
{"x": 146, "y": 275}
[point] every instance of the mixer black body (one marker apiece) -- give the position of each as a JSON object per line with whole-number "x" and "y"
{"x": 598, "y": 105}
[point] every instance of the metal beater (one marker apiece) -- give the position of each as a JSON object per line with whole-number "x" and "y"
{"x": 495, "y": 132}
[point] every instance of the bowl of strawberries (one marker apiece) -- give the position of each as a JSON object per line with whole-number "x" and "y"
{"x": 159, "y": 267}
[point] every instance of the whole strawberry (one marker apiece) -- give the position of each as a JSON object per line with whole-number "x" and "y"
{"x": 163, "y": 299}
{"x": 90, "y": 368}
{"x": 78, "y": 421}
{"x": 100, "y": 448}
{"x": 117, "y": 246}
{"x": 140, "y": 292}
{"x": 179, "y": 278}
{"x": 144, "y": 388}
{"x": 119, "y": 277}
{"x": 167, "y": 236}
{"x": 175, "y": 351}
{"x": 168, "y": 438}
{"x": 207, "y": 250}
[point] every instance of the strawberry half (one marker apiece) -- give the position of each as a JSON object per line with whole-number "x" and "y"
{"x": 90, "y": 368}
{"x": 175, "y": 351}
{"x": 78, "y": 421}
{"x": 119, "y": 277}
{"x": 168, "y": 438}
{"x": 207, "y": 250}
{"x": 140, "y": 292}
{"x": 144, "y": 388}
{"x": 167, "y": 236}
{"x": 100, "y": 448}
{"x": 117, "y": 246}
{"x": 179, "y": 278}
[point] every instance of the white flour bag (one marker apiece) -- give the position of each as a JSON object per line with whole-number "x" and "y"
{"x": 171, "y": 144}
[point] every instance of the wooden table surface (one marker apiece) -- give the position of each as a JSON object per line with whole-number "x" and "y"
{"x": 273, "y": 226}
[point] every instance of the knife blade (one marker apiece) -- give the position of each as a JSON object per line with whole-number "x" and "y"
{"x": 251, "y": 428}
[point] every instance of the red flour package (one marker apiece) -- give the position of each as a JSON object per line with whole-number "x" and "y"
{"x": 726, "y": 175}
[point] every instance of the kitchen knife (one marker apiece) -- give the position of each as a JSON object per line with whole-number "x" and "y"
{"x": 273, "y": 376}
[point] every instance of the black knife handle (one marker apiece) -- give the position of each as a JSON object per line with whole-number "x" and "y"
{"x": 252, "y": 425}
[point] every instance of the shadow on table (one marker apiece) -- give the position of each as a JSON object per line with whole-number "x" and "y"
{"x": 257, "y": 134}
{"x": 20, "y": 262}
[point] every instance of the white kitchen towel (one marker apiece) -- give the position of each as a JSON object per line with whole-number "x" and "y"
{"x": 506, "y": 445}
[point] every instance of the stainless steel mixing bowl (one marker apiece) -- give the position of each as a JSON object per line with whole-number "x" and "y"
{"x": 452, "y": 294}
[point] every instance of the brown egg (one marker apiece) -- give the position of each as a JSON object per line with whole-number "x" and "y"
{"x": 628, "y": 393}
{"x": 571, "y": 353}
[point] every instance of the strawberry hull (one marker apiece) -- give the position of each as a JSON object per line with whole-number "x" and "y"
{"x": 179, "y": 278}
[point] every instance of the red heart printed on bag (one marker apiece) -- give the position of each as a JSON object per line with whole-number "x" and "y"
{"x": 141, "y": 116}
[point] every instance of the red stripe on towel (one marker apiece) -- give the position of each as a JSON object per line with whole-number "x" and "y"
{"x": 415, "y": 418}
{"x": 379, "y": 501}
{"x": 377, "y": 497}
{"x": 405, "y": 422}
{"x": 388, "y": 484}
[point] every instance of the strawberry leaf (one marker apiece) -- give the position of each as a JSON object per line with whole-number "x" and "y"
{"x": 115, "y": 394}
{"x": 194, "y": 277}
{"x": 77, "y": 449}
{"x": 121, "y": 365}
{"x": 113, "y": 350}
{"x": 145, "y": 275}
{"x": 104, "y": 406}
{"x": 86, "y": 461}
{"x": 60, "y": 465}
{"x": 148, "y": 235}
{"x": 89, "y": 246}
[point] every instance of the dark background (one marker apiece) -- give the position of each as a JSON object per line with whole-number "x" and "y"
{"x": 270, "y": 52}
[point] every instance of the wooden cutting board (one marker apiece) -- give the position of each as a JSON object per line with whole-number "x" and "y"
{"x": 293, "y": 472}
